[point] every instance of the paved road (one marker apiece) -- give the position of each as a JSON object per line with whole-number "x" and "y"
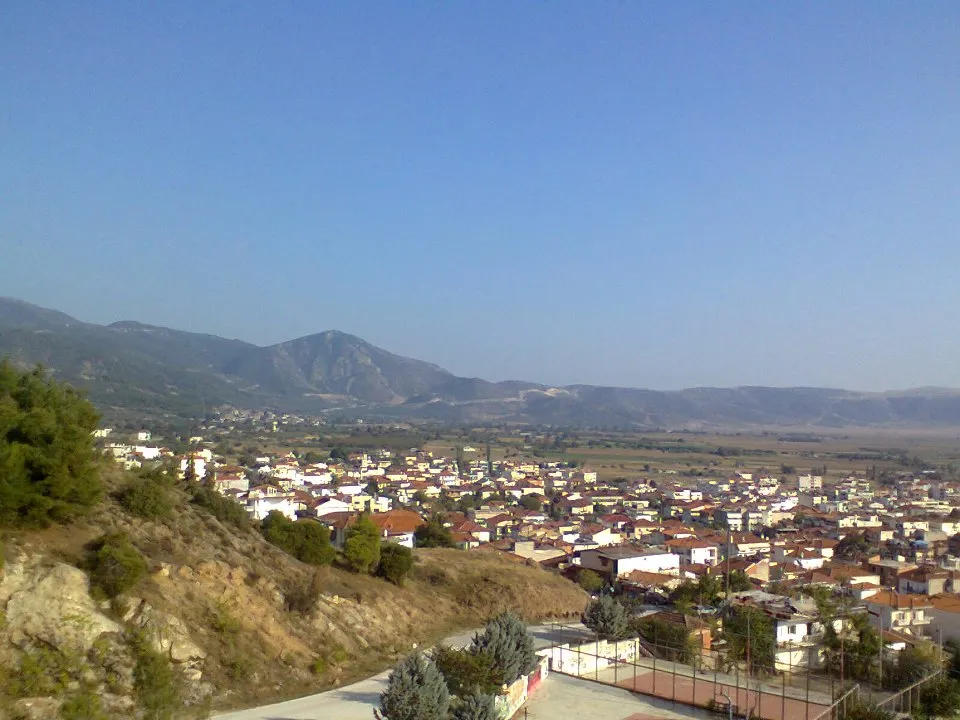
{"x": 356, "y": 702}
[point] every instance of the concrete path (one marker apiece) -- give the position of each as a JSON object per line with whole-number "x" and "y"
{"x": 356, "y": 702}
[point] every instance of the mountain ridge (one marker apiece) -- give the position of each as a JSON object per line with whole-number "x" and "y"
{"x": 152, "y": 369}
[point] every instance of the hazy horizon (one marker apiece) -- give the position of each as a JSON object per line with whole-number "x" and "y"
{"x": 644, "y": 195}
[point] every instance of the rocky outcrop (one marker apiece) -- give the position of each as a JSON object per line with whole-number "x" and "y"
{"x": 167, "y": 635}
{"x": 51, "y": 604}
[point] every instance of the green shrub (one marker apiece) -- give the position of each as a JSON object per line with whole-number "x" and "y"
{"x": 223, "y": 622}
{"x": 361, "y": 549}
{"x": 468, "y": 672}
{"x": 43, "y": 671}
{"x": 475, "y": 707}
{"x": 940, "y": 698}
{"x": 146, "y": 498}
{"x": 155, "y": 683}
{"x": 115, "y": 565}
{"x": 396, "y": 562}
{"x": 306, "y": 540}
{"x": 318, "y": 666}
{"x": 433, "y": 534}
{"x": 506, "y": 640}
{"x": 302, "y": 597}
{"x": 608, "y": 618}
{"x": 222, "y": 508}
{"x": 85, "y": 705}
{"x": 415, "y": 691}
{"x": 47, "y": 458}
{"x": 590, "y": 580}
{"x": 238, "y": 667}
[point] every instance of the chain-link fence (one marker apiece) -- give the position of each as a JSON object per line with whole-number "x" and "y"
{"x": 787, "y": 688}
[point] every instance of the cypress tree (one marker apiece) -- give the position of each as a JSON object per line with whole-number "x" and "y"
{"x": 475, "y": 707}
{"x": 506, "y": 640}
{"x": 608, "y": 618}
{"x": 415, "y": 691}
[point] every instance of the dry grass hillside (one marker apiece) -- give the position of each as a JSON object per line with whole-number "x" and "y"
{"x": 254, "y": 624}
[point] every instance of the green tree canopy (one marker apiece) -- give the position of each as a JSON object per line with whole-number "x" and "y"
{"x": 361, "y": 549}
{"x": 146, "y": 497}
{"x": 940, "y": 699}
{"x": 751, "y": 638}
{"x": 433, "y": 534}
{"x": 415, "y": 691}
{"x": 506, "y": 640}
{"x": 115, "y": 565}
{"x": 739, "y": 581}
{"x": 306, "y": 540}
{"x": 475, "y": 707}
{"x": 913, "y": 663}
{"x": 530, "y": 502}
{"x": 607, "y": 618}
{"x": 673, "y": 638}
{"x": 590, "y": 580}
{"x": 396, "y": 561}
{"x": 466, "y": 671}
{"x": 856, "y": 645}
{"x": 47, "y": 460}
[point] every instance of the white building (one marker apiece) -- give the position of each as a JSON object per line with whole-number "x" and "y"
{"x": 621, "y": 561}
{"x": 262, "y": 505}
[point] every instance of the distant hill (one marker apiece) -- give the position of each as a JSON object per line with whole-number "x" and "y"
{"x": 143, "y": 368}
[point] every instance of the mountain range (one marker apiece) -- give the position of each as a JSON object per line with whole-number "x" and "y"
{"x": 129, "y": 366}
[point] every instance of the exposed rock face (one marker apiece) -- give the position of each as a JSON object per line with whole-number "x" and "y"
{"x": 36, "y": 708}
{"x": 168, "y": 636}
{"x": 52, "y": 605}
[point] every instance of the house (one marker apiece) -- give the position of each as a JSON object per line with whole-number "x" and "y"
{"x": 261, "y": 505}
{"x": 646, "y": 581}
{"x": 798, "y": 634}
{"x": 727, "y": 517}
{"x": 476, "y": 531}
{"x": 528, "y": 550}
{"x": 904, "y": 613}
{"x": 582, "y": 506}
{"x": 889, "y": 570}
{"x": 622, "y": 560}
{"x": 694, "y": 551}
{"x": 332, "y": 505}
{"x": 945, "y": 616}
{"x": 398, "y": 526}
{"x": 746, "y": 545}
{"x": 924, "y": 580}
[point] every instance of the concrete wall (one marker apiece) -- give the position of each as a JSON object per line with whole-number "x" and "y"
{"x": 516, "y": 694}
{"x": 591, "y": 657}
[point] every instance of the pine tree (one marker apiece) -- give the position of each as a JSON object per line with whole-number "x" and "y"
{"x": 415, "y": 691}
{"x": 475, "y": 707}
{"x": 607, "y": 618}
{"x": 506, "y": 640}
{"x": 48, "y": 469}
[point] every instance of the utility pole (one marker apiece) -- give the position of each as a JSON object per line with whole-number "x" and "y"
{"x": 842, "y": 634}
{"x": 727, "y": 586}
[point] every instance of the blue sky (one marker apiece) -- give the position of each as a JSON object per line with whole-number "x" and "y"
{"x": 649, "y": 194}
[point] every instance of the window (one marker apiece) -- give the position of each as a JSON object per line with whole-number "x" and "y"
{"x": 792, "y": 630}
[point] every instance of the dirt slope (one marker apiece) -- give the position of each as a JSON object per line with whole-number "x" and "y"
{"x": 246, "y": 623}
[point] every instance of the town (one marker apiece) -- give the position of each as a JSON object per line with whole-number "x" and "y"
{"x": 821, "y": 557}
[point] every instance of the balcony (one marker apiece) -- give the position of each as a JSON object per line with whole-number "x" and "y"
{"x": 911, "y": 621}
